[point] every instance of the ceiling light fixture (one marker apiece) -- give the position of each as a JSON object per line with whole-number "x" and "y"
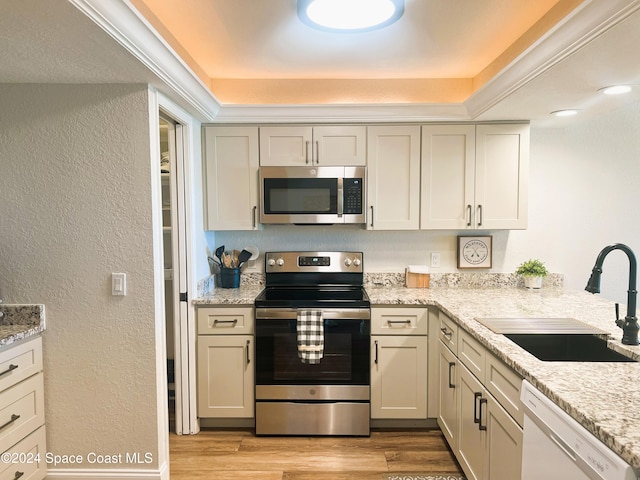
{"x": 349, "y": 16}
{"x": 615, "y": 89}
{"x": 564, "y": 113}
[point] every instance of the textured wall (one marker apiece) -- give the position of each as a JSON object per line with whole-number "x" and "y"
{"x": 75, "y": 205}
{"x": 582, "y": 196}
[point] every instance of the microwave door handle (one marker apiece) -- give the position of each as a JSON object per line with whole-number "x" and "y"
{"x": 340, "y": 197}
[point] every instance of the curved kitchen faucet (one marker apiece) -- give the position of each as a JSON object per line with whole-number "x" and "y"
{"x": 630, "y": 323}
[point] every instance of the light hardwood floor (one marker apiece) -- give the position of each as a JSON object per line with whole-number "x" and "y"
{"x": 235, "y": 455}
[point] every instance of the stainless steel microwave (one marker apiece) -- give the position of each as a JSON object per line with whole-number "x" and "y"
{"x": 312, "y": 195}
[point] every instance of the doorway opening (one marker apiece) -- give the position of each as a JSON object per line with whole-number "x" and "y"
{"x": 174, "y": 236}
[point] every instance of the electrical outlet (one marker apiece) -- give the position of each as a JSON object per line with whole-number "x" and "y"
{"x": 435, "y": 259}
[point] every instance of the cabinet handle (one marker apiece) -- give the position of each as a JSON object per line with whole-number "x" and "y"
{"x": 469, "y": 211}
{"x": 255, "y": 210}
{"x": 371, "y": 216}
{"x": 391, "y": 322}
{"x": 451, "y": 384}
{"x": 480, "y": 212}
{"x": 376, "y": 358}
{"x": 483, "y": 401}
{"x": 306, "y": 151}
{"x": 18, "y": 475}
{"x": 14, "y": 417}
{"x": 248, "y": 356}
{"x": 446, "y": 333}
{"x": 317, "y": 152}
{"x": 476, "y": 417}
{"x": 11, "y": 368}
{"x": 234, "y": 321}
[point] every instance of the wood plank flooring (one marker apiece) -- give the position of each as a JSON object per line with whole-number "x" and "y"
{"x": 239, "y": 454}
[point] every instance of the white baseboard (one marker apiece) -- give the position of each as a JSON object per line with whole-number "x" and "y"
{"x": 108, "y": 474}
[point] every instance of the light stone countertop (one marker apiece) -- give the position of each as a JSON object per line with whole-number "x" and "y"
{"x": 19, "y": 322}
{"x": 603, "y": 397}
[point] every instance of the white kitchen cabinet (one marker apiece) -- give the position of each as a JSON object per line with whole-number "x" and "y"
{"x": 343, "y": 145}
{"x": 479, "y": 412}
{"x": 490, "y": 440}
{"x": 448, "y": 168}
{"x": 503, "y": 457}
{"x": 399, "y": 363}
{"x": 225, "y": 356}
{"x": 472, "y": 440}
{"x": 22, "y": 410}
{"x": 393, "y": 176}
{"x": 475, "y": 176}
{"x": 231, "y": 178}
{"x": 448, "y": 395}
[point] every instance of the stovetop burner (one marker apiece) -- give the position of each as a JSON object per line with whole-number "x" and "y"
{"x": 313, "y": 280}
{"x": 309, "y": 297}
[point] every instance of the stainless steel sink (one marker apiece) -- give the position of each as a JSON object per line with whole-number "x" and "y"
{"x": 539, "y": 325}
{"x": 567, "y": 347}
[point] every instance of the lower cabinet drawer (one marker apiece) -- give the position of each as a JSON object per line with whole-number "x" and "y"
{"x": 19, "y": 362}
{"x": 26, "y": 460}
{"x": 225, "y": 320}
{"x": 21, "y": 411}
{"x": 399, "y": 321}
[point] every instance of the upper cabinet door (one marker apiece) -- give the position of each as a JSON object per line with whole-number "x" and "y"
{"x": 502, "y": 176}
{"x": 286, "y": 146}
{"x": 448, "y": 176}
{"x": 231, "y": 178}
{"x": 306, "y": 146}
{"x": 340, "y": 146}
{"x": 393, "y": 170}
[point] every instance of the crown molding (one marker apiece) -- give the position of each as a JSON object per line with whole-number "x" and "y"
{"x": 359, "y": 113}
{"x": 585, "y": 23}
{"x": 120, "y": 20}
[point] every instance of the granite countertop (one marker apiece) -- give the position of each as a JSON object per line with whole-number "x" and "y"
{"x": 244, "y": 295}
{"x": 603, "y": 397}
{"x": 19, "y": 322}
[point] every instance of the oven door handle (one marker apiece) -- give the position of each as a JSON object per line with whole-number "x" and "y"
{"x": 327, "y": 313}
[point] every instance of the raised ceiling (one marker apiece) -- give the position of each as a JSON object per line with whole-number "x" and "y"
{"x": 259, "y": 52}
{"x": 252, "y": 61}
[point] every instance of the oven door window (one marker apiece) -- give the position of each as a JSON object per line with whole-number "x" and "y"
{"x": 345, "y": 359}
{"x": 300, "y": 196}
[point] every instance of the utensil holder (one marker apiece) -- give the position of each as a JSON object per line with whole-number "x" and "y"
{"x": 229, "y": 277}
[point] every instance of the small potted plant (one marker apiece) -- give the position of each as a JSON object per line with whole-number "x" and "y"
{"x": 533, "y": 272}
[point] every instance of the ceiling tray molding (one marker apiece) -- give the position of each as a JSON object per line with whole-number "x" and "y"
{"x": 360, "y": 113}
{"x": 584, "y": 24}
{"x": 134, "y": 33}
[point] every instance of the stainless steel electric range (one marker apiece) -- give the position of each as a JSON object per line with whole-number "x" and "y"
{"x": 313, "y": 330}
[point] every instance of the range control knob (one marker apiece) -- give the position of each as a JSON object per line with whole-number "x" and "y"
{"x": 271, "y": 262}
{"x": 356, "y": 262}
{"x": 280, "y": 262}
{"x": 347, "y": 262}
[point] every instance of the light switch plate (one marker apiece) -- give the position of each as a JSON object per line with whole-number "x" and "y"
{"x": 119, "y": 284}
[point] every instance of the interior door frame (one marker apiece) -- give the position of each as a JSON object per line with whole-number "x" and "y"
{"x": 184, "y": 313}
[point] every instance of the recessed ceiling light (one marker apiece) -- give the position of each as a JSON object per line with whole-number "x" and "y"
{"x": 616, "y": 89}
{"x": 349, "y": 16}
{"x": 564, "y": 113}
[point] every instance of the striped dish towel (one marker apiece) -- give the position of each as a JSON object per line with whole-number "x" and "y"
{"x": 310, "y": 327}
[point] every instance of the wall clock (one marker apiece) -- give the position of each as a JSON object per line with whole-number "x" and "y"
{"x": 474, "y": 252}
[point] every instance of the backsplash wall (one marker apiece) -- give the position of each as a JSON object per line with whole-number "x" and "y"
{"x": 384, "y": 251}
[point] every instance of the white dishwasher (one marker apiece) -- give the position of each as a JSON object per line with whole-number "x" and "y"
{"x": 555, "y": 446}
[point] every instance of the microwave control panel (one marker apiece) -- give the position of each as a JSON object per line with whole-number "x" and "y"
{"x": 352, "y": 195}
